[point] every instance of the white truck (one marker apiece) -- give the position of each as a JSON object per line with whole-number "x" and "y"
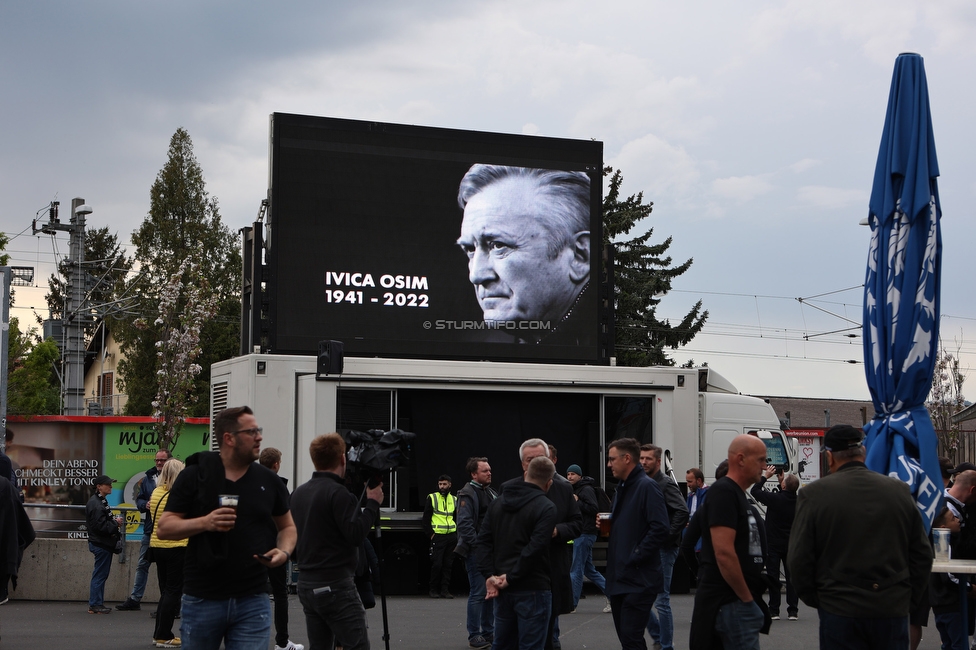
{"x": 460, "y": 409}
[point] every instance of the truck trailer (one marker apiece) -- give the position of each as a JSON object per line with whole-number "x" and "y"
{"x": 459, "y": 409}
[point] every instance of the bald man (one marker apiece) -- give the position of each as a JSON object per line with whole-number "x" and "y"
{"x": 727, "y": 602}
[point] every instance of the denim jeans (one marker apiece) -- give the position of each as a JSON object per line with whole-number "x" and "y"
{"x": 142, "y": 571}
{"x": 738, "y": 625}
{"x": 661, "y": 627}
{"x": 103, "y": 564}
{"x": 521, "y": 619}
{"x": 481, "y": 618}
{"x": 848, "y": 633}
{"x": 583, "y": 565}
{"x": 242, "y": 623}
{"x": 335, "y": 616}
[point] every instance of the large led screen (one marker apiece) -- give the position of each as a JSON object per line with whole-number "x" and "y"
{"x": 405, "y": 241}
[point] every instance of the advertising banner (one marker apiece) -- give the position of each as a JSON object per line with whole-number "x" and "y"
{"x": 809, "y": 444}
{"x": 130, "y": 450}
{"x": 57, "y": 458}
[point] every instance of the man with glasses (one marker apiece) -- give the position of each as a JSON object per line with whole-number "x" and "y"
{"x": 146, "y": 487}
{"x": 231, "y": 546}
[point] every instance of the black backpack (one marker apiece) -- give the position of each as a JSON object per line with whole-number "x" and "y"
{"x": 603, "y": 502}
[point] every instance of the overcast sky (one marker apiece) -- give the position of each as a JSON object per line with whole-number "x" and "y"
{"x": 752, "y": 126}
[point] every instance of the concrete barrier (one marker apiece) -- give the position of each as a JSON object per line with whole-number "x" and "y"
{"x": 60, "y": 569}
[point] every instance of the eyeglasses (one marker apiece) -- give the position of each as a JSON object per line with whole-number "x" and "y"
{"x": 256, "y": 431}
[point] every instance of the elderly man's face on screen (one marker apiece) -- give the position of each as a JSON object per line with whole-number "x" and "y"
{"x": 524, "y": 263}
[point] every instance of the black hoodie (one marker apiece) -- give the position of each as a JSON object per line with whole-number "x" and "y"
{"x": 588, "y": 504}
{"x": 515, "y": 535}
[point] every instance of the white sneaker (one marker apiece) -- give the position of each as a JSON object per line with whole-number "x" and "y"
{"x": 607, "y": 609}
{"x": 290, "y": 646}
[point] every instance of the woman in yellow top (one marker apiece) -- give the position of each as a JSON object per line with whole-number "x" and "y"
{"x": 168, "y": 556}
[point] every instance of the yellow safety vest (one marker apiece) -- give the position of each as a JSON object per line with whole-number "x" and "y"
{"x": 442, "y": 520}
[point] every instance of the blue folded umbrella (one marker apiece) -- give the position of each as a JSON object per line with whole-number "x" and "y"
{"x": 901, "y": 291}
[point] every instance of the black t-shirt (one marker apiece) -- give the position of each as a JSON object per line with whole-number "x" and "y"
{"x": 726, "y": 505}
{"x": 262, "y": 495}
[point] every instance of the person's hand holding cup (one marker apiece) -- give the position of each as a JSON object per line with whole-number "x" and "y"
{"x": 225, "y": 516}
{"x": 604, "y": 521}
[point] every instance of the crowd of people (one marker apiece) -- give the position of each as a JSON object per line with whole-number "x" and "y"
{"x": 222, "y": 528}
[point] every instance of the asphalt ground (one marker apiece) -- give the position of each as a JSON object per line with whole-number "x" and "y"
{"x": 415, "y": 622}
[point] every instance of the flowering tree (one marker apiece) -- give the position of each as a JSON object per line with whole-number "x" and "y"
{"x": 178, "y": 348}
{"x": 946, "y": 399}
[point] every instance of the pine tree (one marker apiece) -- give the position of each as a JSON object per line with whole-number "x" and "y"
{"x": 183, "y": 224}
{"x": 642, "y": 275}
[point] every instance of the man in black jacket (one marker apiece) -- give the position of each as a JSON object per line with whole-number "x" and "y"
{"x": 639, "y": 527}
{"x": 661, "y": 627}
{"x": 858, "y": 549}
{"x": 583, "y": 545}
{"x": 331, "y": 528}
{"x": 472, "y": 506}
{"x": 569, "y": 525}
{"x": 513, "y": 555}
{"x": 780, "y": 510}
{"x": 103, "y": 533}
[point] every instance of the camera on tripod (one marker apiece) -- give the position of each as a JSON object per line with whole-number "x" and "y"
{"x": 370, "y": 454}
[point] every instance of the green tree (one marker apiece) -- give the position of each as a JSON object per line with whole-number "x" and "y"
{"x": 642, "y": 274}
{"x": 32, "y": 385}
{"x": 183, "y": 223}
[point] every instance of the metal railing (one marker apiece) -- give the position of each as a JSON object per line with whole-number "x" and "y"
{"x": 105, "y": 405}
{"x": 59, "y": 520}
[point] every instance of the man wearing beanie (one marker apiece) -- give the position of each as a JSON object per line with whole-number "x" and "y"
{"x": 858, "y": 551}
{"x": 588, "y": 504}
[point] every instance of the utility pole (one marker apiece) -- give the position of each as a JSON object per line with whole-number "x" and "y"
{"x": 75, "y": 315}
{"x": 4, "y": 348}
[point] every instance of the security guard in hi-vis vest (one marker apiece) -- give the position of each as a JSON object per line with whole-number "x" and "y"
{"x": 439, "y": 523}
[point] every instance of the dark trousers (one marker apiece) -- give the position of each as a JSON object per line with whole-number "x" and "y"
{"x": 849, "y": 633}
{"x": 442, "y": 562}
{"x": 169, "y": 572}
{"x": 792, "y": 600}
{"x": 279, "y": 591}
{"x": 334, "y": 617}
{"x": 630, "y": 614}
{"x": 952, "y": 631}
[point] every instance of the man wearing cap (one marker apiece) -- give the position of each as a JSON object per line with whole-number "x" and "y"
{"x": 858, "y": 550}
{"x": 103, "y": 534}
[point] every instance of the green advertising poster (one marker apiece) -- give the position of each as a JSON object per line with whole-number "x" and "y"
{"x": 130, "y": 450}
